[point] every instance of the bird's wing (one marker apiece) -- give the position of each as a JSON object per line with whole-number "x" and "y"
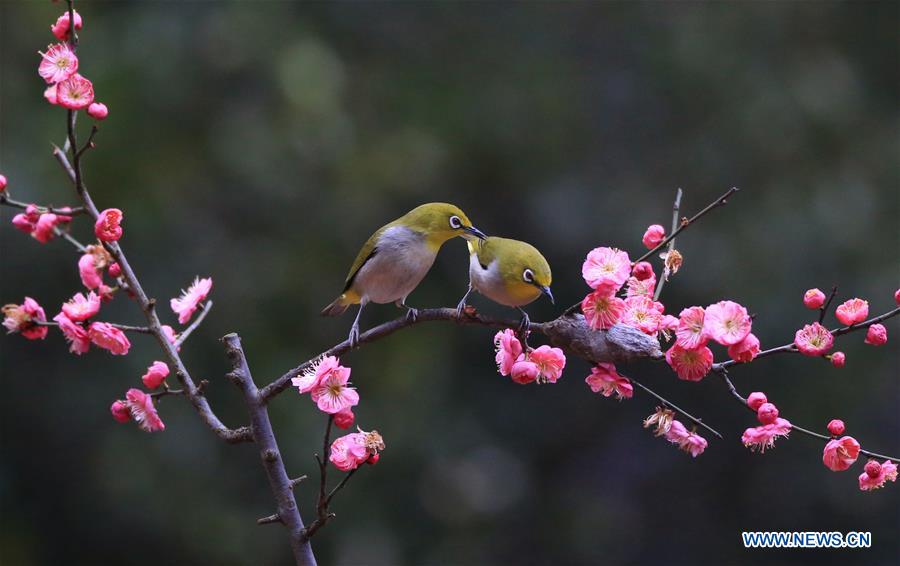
{"x": 484, "y": 250}
{"x": 368, "y": 251}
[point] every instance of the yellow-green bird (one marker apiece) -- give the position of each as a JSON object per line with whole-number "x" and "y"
{"x": 396, "y": 258}
{"x": 508, "y": 272}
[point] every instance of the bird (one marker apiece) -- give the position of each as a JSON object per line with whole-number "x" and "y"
{"x": 395, "y": 259}
{"x": 509, "y": 272}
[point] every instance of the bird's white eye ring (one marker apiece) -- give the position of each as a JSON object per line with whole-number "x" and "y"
{"x": 528, "y": 276}
{"x": 455, "y": 222}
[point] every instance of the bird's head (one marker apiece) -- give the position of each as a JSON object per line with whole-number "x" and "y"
{"x": 439, "y": 222}
{"x": 525, "y": 271}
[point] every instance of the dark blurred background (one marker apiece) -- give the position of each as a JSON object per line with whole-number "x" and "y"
{"x": 262, "y": 142}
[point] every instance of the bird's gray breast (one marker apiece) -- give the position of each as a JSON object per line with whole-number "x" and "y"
{"x": 401, "y": 260}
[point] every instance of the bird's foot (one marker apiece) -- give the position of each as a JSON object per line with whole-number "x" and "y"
{"x": 411, "y": 314}
{"x": 524, "y": 329}
{"x": 354, "y": 336}
{"x": 460, "y": 308}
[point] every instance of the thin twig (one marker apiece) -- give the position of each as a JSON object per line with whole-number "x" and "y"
{"x": 824, "y": 309}
{"x": 665, "y": 275}
{"x": 676, "y": 408}
{"x": 197, "y": 322}
{"x": 71, "y": 239}
{"x": 122, "y": 327}
{"x": 64, "y": 210}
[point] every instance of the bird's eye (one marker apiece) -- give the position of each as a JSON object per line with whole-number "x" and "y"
{"x": 528, "y": 276}
{"x": 455, "y": 222}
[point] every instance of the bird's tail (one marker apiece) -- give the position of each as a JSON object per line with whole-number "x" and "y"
{"x": 339, "y": 305}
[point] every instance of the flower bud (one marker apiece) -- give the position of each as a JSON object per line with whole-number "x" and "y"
{"x": 114, "y": 270}
{"x": 756, "y": 399}
{"x": 98, "y": 111}
{"x": 654, "y": 235}
{"x": 344, "y": 418}
{"x": 373, "y": 459}
{"x": 838, "y": 359}
{"x": 814, "y": 299}
{"x": 643, "y": 271}
{"x": 876, "y": 335}
{"x": 120, "y": 412}
{"x": 836, "y": 427}
{"x": 767, "y": 413}
{"x": 873, "y": 468}
{"x": 2, "y": 183}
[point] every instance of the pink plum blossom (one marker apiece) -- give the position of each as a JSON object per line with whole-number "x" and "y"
{"x": 602, "y": 310}
{"x": 690, "y": 334}
{"x": 508, "y": 350}
{"x": 690, "y": 442}
{"x": 350, "y": 451}
{"x": 814, "y": 299}
{"x": 662, "y": 418}
{"x": 642, "y": 313}
{"x": 109, "y": 337}
{"x": 606, "y": 269}
{"x": 120, "y": 412}
{"x": 185, "y": 305}
{"x": 838, "y": 359}
{"x": 550, "y": 363}
{"x": 813, "y": 340}
{"x": 91, "y": 277}
{"x": 604, "y": 379}
{"x": 312, "y": 377}
{"x": 332, "y": 394}
{"x": 640, "y": 287}
{"x": 840, "y": 453}
{"x": 107, "y": 228}
{"x": 654, "y": 235}
{"x": 745, "y": 350}
{"x": 80, "y": 308}
{"x": 726, "y": 322}
{"x": 875, "y": 474}
{"x": 50, "y": 95}
{"x": 142, "y": 410}
{"x": 75, "y": 334}
{"x": 43, "y": 228}
{"x": 24, "y": 223}
{"x": 170, "y": 335}
{"x": 61, "y": 28}
{"x": 23, "y": 318}
{"x": 344, "y": 418}
{"x": 876, "y": 335}
{"x": 764, "y": 436}
{"x": 114, "y": 270}
{"x": 58, "y": 63}
{"x": 75, "y": 93}
{"x": 524, "y": 372}
{"x": 767, "y": 413}
{"x": 836, "y": 427}
{"x": 156, "y": 375}
{"x": 643, "y": 270}
{"x": 756, "y": 400}
{"x": 853, "y": 311}
{"x": 690, "y": 365}
{"x": 98, "y": 111}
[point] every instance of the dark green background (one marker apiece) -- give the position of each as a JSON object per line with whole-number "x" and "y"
{"x": 262, "y": 142}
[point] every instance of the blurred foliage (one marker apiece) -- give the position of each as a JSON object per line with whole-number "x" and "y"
{"x": 262, "y": 142}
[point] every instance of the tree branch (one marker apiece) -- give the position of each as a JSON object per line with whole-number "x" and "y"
{"x": 65, "y": 210}
{"x": 665, "y": 274}
{"x": 204, "y": 310}
{"x": 264, "y": 437}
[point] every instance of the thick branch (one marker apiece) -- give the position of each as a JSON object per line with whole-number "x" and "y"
{"x": 264, "y": 437}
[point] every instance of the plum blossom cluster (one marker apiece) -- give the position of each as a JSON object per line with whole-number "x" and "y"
{"x": 59, "y": 68}
{"x": 138, "y": 407}
{"x": 771, "y": 425}
{"x": 542, "y": 364}
{"x": 352, "y": 450}
{"x": 816, "y": 340}
{"x": 841, "y": 452}
{"x": 675, "y": 432}
{"x": 40, "y": 223}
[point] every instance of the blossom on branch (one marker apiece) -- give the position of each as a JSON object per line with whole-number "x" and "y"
{"x": 875, "y": 474}
{"x": 876, "y": 335}
{"x": 654, "y": 236}
{"x": 62, "y": 28}
{"x": 756, "y": 400}
{"x": 108, "y": 226}
{"x": 156, "y": 375}
{"x": 853, "y": 311}
{"x": 74, "y": 333}
{"x": 120, "y": 411}
{"x": 80, "y": 308}
{"x": 143, "y": 411}
{"x": 840, "y": 453}
{"x": 109, "y": 337}
{"x": 602, "y": 310}
{"x": 23, "y": 318}
{"x": 643, "y": 313}
{"x": 745, "y": 350}
{"x": 606, "y": 269}
{"x": 508, "y": 350}
{"x": 58, "y": 63}
{"x": 690, "y": 442}
{"x": 344, "y": 418}
{"x": 726, "y": 322}
{"x": 690, "y": 333}
{"x": 690, "y": 365}
{"x": 762, "y": 437}
{"x": 838, "y": 359}
{"x": 836, "y": 427}
{"x": 74, "y": 93}
{"x": 813, "y": 299}
{"x": 604, "y": 379}
{"x": 98, "y": 111}
{"x": 813, "y": 340}
{"x": 349, "y": 451}
{"x": 662, "y": 419}
{"x": 550, "y": 363}
{"x": 332, "y": 394}
{"x": 643, "y": 270}
{"x": 185, "y": 305}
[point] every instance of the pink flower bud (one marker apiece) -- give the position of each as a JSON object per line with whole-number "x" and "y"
{"x": 653, "y": 236}
{"x": 3, "y": 185}
{"x": 120, "y": 411}
{"x": 838, "y": 359}
{"x": 524, "y": 372}
{"x": 876, "y": 335}
{"x": 814, "y": 299}
{"x": 853, "y": 311}
{"x": 344, "y": 419}
{"x": 767, "y": 413}
{"x": 61, "y": 28}
{"x": 107, "y": 227}
{"x": 373, "y": 459}
{"x": 873, "y": 468}
{"x": 23, "y": 223}
{"x": 897, "y": 296}
{"x": 114, "y": 270}
{"x": 756, "y": 399}
{"x": 156, "y": 375}
{"x": 840, "y": 453}
{"x": 642, "y": 270}
{"x": 98, "y": 111}
{"x": 836, "y": 427}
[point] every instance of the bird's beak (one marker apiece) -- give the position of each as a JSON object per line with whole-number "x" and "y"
{"x": 546, "y": 290}
{"x": 471, "y": 231}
